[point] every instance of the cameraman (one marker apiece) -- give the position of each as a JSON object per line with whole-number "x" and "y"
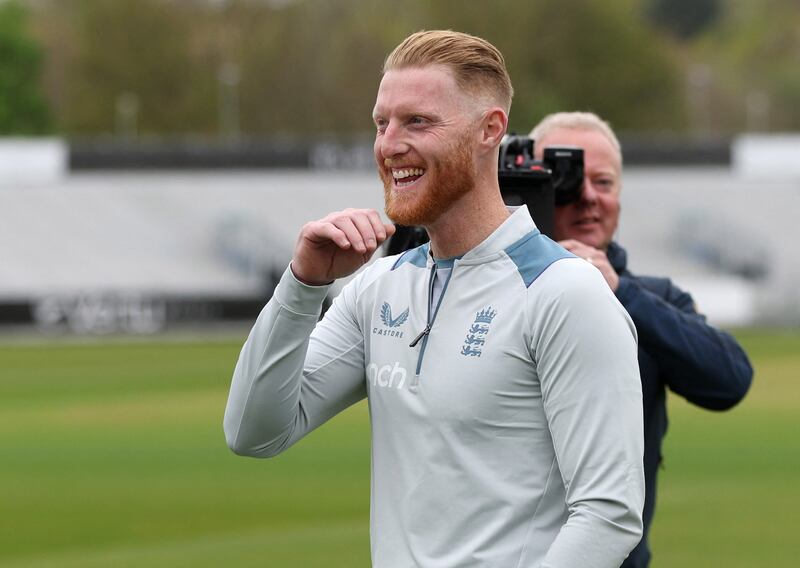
{"x": 677, "y": 348}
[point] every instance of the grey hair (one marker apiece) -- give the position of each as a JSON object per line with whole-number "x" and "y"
{"x": 576, "y": 121}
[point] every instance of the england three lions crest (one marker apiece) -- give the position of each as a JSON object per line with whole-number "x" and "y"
{"x": 476, "y": 336}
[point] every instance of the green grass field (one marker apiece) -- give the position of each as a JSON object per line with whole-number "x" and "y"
{"x": 113, "y": 455}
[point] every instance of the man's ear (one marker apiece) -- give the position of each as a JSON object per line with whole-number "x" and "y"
{"x": 493, "y": 127}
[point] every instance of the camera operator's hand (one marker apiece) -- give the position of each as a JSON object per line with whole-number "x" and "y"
{"x": 338, "y": 245}
{"x": 596, "y": 257}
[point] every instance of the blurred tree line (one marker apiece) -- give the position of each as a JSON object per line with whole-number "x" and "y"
{"x": 297, "y": 67}
{"x": 23, "y": 109}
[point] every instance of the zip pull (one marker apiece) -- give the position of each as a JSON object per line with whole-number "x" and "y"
{"x": 413, "y": 386}
{"x": 422, "y": 334}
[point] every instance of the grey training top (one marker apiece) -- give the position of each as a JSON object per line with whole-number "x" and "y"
{"x": 509, "y": 435}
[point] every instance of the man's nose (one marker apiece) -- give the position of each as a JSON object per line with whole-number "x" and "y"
{"x": 392, "y": 143}
{"x": 588, "y": 191}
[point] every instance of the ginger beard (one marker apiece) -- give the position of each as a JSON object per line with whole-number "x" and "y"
{"x": 447, "y": 179}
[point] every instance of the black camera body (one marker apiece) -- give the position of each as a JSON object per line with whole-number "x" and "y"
{"x": 539, "y": 185}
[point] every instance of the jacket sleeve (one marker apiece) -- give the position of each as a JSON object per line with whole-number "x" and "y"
{"x": 586, "y": 360}
{"x": 704, "y": 365}
{"x": 293, "y": 373}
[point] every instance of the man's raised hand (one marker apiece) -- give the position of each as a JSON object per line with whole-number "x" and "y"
{"x": 337, "y": 245}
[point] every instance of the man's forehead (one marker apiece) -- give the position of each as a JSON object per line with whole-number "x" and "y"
{"x": 431, "y": 86}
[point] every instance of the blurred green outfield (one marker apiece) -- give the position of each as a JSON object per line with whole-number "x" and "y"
{"x": 113, "y": 455}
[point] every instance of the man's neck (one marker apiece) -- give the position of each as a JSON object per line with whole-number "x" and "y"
{"x": 467, "y": 223}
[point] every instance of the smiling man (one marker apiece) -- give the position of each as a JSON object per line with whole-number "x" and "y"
{"x": 504, "y": 394}
{"x": 677, "y": 348}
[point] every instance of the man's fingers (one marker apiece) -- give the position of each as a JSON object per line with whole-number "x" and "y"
{"x": 577, "y": 248}
{"x": 571, "y": 244}
{"x": 359, "y": 229}
{"x": 345, "y": 224}
{"x": 321, "y": 231}
{"x": 363, "y": 224}
{"x": 589, "y": 253}
{"x": 378, "y": 226}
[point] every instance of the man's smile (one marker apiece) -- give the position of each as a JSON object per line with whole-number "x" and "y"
{"x": 584, "y": 221}
{"x": 404, "y": 177}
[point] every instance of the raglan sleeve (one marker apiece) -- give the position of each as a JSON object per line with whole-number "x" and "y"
{"x": 586, "y": 357}
{"x": 293, "y": 372}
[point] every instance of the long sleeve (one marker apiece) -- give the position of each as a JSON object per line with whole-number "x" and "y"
{"x": 697, "y": 361}
{"x": 587, "y": 364}
{"x": 293, "y": 373}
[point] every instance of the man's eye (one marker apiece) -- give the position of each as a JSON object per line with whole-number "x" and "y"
{"x": 416, "y": 120}
{"x": 380, "y": 125}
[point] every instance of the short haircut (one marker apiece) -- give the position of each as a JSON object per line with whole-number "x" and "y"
{"x": 477, "y": 65}
{"x": 576, "y": 121}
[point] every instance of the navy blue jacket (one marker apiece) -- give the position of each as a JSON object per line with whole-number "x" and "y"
{"x": 679, "y": 351}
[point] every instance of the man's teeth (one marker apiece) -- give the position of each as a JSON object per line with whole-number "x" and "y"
{"x": 401, "y": 174}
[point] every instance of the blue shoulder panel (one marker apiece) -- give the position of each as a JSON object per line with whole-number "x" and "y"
{"x": 416, "y": 256}
{"x": 533, "y": 253}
